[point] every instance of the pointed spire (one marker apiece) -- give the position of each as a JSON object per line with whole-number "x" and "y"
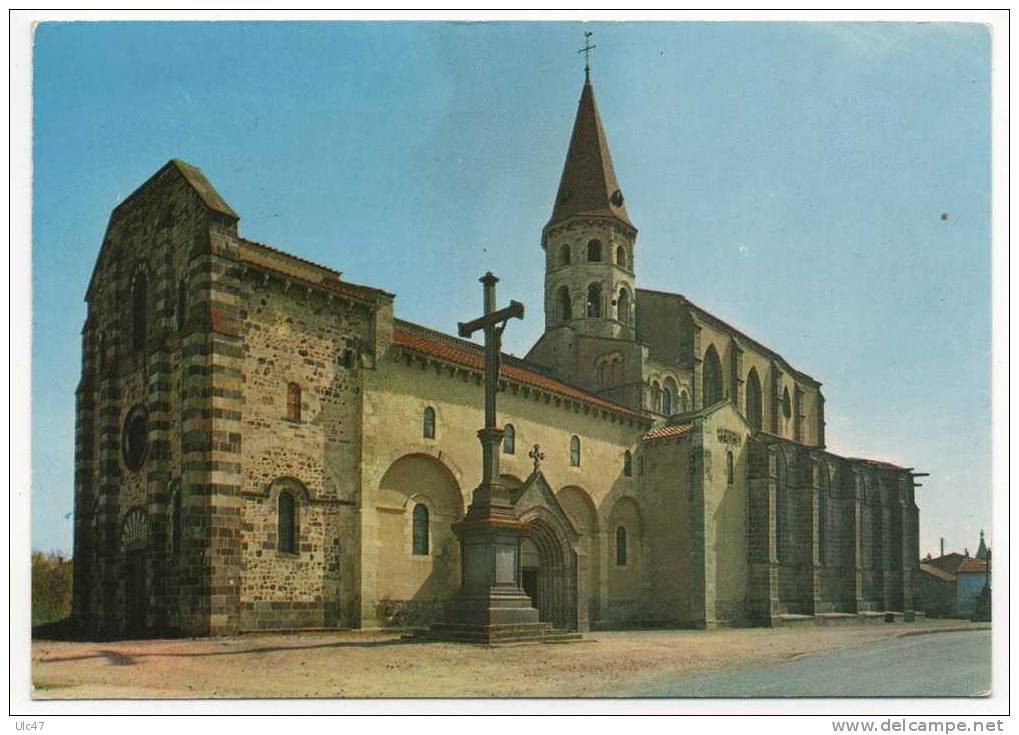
{"x": 588, "y": 185}
{"x": 982, "y": 549}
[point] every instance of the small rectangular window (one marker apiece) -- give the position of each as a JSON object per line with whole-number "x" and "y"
{"x": 294, "y": 402}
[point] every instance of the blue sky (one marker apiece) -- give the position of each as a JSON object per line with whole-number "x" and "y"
{"x": 789, "y": 177}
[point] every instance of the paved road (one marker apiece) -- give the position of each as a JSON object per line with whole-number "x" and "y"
{"x": 938, "y": 664}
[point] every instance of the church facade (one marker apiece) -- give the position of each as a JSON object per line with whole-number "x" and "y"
{"x": 261, "y": 444}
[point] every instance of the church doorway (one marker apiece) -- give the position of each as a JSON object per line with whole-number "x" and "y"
{"x": 134, "y": 594}
{"x": 548, "y": 574}
{"x": 134, "y": 540}
{"x": 530, "y": 584}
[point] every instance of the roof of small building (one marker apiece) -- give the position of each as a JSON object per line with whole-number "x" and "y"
{"x": 948, "y": 562}
{"x": 668, "y": 432}
{"x": 431, "y": 343}
{"x": 971, "y": 565}
{"x": 938, "y": 573}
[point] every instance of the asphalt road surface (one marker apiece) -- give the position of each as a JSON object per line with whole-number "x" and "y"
{"x": 935, "y": 665}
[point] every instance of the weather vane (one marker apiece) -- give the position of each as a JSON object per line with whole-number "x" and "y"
{"x": 588, "y": 46}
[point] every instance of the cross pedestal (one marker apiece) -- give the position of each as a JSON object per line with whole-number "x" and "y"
{"x": 491, "y": 606}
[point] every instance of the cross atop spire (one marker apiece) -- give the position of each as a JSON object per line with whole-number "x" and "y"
{"x": 588, "y": 47}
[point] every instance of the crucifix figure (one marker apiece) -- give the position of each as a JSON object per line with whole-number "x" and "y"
{"x": 493, "y": 322}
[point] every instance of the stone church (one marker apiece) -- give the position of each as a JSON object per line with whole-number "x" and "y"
{"x": 261, "y": 444}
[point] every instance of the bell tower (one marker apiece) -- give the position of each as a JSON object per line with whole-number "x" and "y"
{"x": 589, "y": 239}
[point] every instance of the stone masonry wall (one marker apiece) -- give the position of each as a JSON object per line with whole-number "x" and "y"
{"x": 156, "y": 234}
{"x": 294, "y": 334}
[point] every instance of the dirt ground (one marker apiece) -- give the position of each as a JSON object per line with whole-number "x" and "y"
{"x": 363, "y": 664}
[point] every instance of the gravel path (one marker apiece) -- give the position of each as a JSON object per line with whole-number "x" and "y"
{"x": 356, "y": 664}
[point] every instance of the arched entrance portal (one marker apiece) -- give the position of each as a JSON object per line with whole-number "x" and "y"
{"x": 133, "y": 540}
{"x": 549, "y": 573}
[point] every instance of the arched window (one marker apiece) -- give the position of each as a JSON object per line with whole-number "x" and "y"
{"x": 621, "y": 256}
{"x": 656, "y": 397}
{"x": 755, "y": 414}
{"x": 564, "y": 303}
{"x": 177, "y": 523}
{"x": 623, "y": 306}
{"x": 822, "y": 513}
{"x": 730, "y": 471}
{"x": 509, "y": 440}
{"x": 604, "y": 374}
{"x": 293, "y": 402}
{"x": 139, "y": 312}
{"x": 575, "y": 452}
{"x": 286, "y": 521}
{"x": 684, "y": 402}
{"x": 101, "y": 357}
{"x": 594, "y": 300}
{"x": 666, "y": 401}
{"x": 627, "y": 464}
{"x": 182, "y": 304}
{"x": 594, "y": 251}
{"x": 787, "y": 408}
{"x": 420, "y": 530}
{"x": 564, "y": 255}
{"x": 428, "y": 423}
{"x": 712, "y": 378}
{"x": 781, "y": 502}
{"x": 621, "y": 546}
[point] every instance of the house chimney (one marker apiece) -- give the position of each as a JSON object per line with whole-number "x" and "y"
{"x": 942, "y": 545}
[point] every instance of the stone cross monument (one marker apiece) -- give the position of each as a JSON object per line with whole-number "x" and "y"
{"x": 490, "y": 606}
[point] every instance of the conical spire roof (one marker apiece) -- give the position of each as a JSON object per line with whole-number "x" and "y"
{"x": 588, "y": 185}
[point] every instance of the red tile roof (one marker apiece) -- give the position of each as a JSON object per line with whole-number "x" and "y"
{"x": 972, "y": 565}
{"x": 460, "y": 352}
{"x": 668, "y": 432}
{"x": 935, "y": 572}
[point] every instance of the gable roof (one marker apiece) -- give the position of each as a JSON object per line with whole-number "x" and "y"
{"x": 537, "y": 490}
{"x": 588, "y": 184}
{"x": 948, "y": 562}
{"x": 971, "y": 565}
{"x": 196, "y": 180}
{"x": 431, "y": 343}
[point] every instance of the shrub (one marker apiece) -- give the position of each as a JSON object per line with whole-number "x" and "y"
{"x": 51, "y": 587}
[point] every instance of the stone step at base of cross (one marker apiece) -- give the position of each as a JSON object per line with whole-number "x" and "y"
{"x": 495, "y": 635}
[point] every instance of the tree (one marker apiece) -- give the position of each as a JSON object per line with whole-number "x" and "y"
{"x": 51, "y": 587}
